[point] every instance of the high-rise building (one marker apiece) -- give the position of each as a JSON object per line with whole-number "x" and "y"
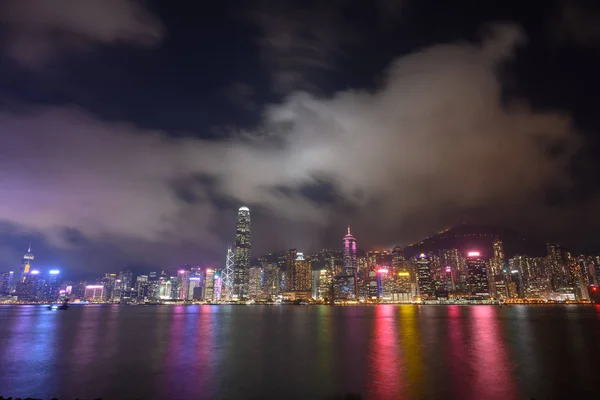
{"x": 50, "y": 288}
{"x": 242, "y": 254}
{"x": 425, "y": 287}
{"x": 301, "y": 277}
{"x": 209, "y": 292}
{"x": 5, "y": 283}
{"x": 290, "y": 259}
{"x": 350, "y": 263}
{"x": 270, "y": 287}
{"x": 255, "y": 281}
{"x": 477, "y": 275}
{"x": 26, "y": 264}
{"x": 94, "y": 293}
{"x": 227, "y": 276}
{"x": 497, "y": 260}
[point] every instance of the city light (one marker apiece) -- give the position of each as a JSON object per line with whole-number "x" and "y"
{"x": 473, "y": 254}
{"x": 448, "y": 269}
{"x": 34, "y": 272}
{"x": 382, "y": 271}
{"x": 514, "y": 271}
{"x": 54, "y": 272}
{"x": 422, "y": 255}
{"x": 94, "y": 287}
{"x": 403, "y": 273}
{"x": 181, "y": 271}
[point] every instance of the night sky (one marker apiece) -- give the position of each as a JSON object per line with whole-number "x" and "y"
{"x": 132, "y": 131}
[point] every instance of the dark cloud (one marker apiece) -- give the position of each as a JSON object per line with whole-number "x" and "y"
{"x": 435, "y": 139}
{"x": 38, "y": 30}
{"x": 578, "y": 21}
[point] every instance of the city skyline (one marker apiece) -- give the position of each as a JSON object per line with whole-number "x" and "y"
{"x": 142, "y": 135}
{"x": 481, "y": 274}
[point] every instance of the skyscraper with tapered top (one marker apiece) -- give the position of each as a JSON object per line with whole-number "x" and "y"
{"x": 241, "y": 254}
{"x": 350, "y": 263}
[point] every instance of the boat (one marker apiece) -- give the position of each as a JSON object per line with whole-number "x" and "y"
{"x": 62, "y": 306}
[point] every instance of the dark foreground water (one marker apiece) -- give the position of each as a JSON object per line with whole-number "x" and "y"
{"x": 295, "y": 352}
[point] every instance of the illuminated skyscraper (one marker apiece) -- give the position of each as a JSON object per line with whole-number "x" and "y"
{"x": 5, "y": 281}
{"x": 477, "y": 275}
{"x": 26, "y": 265}
{"x": 242, "y": 254}
{"x": 227, "y": 276}
{"x": 302, "y": 277}
{"x": 209, "y": 292}
{"x": 255, "y": 280}
{"x": 425, "y": 289}
{"x": 350, "y": 263}
{"x": 290, "y": 259}
{"x": 270, "y": 287}
{"x": 497, "y": 260}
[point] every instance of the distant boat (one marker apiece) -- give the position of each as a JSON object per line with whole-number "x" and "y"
{"x": 63, "y": 306}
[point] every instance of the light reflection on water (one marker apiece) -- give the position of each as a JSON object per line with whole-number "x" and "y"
{"x": 274, "y": 352}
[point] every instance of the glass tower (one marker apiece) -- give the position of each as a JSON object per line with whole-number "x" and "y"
{"x": 241, "y": 254}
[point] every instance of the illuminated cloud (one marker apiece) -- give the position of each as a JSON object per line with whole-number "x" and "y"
{"x": 434, "y": 138}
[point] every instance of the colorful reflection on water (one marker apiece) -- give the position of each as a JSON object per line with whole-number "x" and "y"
{"x": 268, "y": 352}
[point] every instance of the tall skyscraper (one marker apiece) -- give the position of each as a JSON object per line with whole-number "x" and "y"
{"x": 242, "y": 254}
{"x": 26, "y": 264}
{"x": 5, "y": 282}
{"x": 302, "y": 277}
{"x": 477, "y": 275}
{"x": 425, "y": 287}
{"x": 227, "y": 276}
{"x": 497, "y": 260}
{"x": 290, "y": 259}
{"x": 255, "y": 281}
{"x": 350, "y": 263}
{"x": 209, "y": 292}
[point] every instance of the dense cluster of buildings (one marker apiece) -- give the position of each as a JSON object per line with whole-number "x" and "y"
{"x": 332, "y": 276}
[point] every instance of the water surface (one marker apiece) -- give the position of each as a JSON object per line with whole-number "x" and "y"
{"x": 300, "y": 352}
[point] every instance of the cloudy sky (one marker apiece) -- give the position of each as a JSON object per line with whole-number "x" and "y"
{"x": 131, "y": 131}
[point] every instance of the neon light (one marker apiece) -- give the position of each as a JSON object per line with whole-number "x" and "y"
{"x": 34, "y": 272}
{"x": 54, "y": 272}
{"x": 514, "y": 271}
{"x": 194, "y": 278}
{"x": 403, "y": 273}
{"x": 94, "y": 287}
{"x": 62, "y": 291}
{"x": 209, "y": 270}
{"x": 382, "y": 271}
{"x": 473, "y": 254}
{"x": 181, "y": 271}
{"x": 448, "y": 269}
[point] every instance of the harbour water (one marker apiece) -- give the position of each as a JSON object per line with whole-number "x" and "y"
{"x": 300, "y": 352}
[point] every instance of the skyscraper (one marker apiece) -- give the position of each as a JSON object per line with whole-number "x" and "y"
{"x": 228, "y": 275}
{"x": 350, "y": 263}
{"x": 26, "y": 264}
{"x": 302, "y": 277}
{"x": 255, "y": 281}
{"x": 424, "y": 280}
{"x": 242, "y": 254}
{"x": 477, "y": 275}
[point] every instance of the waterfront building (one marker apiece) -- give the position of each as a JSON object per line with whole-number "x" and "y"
{"x": 477, "y": 275}
{"x": 209, "y": 291}
{"x": 227, "y": 276}
{"x": 301, "y": 276}
{"x": 255, "y": 282}
{"x": 425, "y": 287}
{"x": 6, "y": 279}
{"x": 94, "y": 293}
{"x": 242, "y": 254}
{"x": 271, "y": 275}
